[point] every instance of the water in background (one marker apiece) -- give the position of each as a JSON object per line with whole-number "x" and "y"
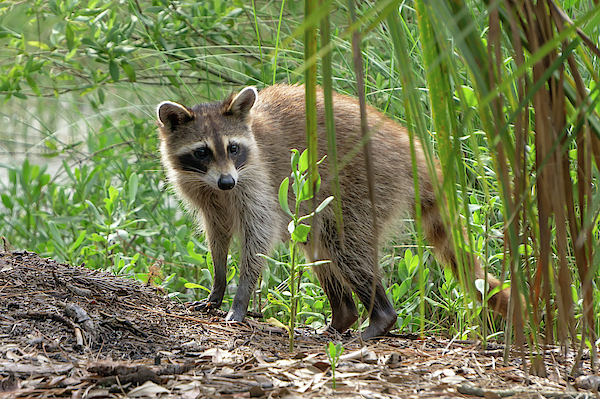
{"x": 38, "y": 129}
{"x": 30, "y": 128}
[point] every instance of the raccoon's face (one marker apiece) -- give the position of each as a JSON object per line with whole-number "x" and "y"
{"x": 209, "y": 143}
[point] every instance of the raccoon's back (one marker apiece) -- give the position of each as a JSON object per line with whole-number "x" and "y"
{"x": 279, "y": 124}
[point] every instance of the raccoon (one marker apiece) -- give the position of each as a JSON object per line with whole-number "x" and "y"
{"x": 225, "y": 161}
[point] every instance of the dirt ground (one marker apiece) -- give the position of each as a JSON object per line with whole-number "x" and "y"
{"x": 72, "y": 332}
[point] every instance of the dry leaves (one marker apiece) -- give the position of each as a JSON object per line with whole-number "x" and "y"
{"x": 185, "y": 355}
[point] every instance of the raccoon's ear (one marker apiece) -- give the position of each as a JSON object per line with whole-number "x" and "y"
{"x": 171, "y": 114}
{"x": 242, "y": 103}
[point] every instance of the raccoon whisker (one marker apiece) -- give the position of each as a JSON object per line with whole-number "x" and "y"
{"x": 244, "y": 173}
{"x": 194, "y": 170}
{"x": 193, "y": 178}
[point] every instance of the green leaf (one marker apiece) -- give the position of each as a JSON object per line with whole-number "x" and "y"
{"x": 119, "y": 50}
{"x": 594, "y": 93}
{"x": 234, "y": 13}
{"x": 55, "y": 234}
{"x": 77, "y": 242}
{"x": 70, "y": 35}
{"x": 6, "y": 201}
{"x": 406, "y": 322}
{"x": 323, "y": 204}
{"x": 300, "y": 233}
{"x": 90, "y": 43}
{"x": 33, "y": 85}
{"x": 499, "y": 288}
{"x": 468, "y": 95}
{"x": 129, "y": 71}
{"x": 303, "y": 163}
{"x": 100, "y": 16}
{"x": 404, "y": 287}
{"x": 192, "y": 253}
{"x": 331, "y": 350}
{"x": 334, "y": 351}
{"x": 268, "y": 258}
{"x": 109, "y": 204}
{"x": 174, "y": 81}
{"x": 182, "y": 232}
{"x": 50, "y": 144}
{"x": 569, "y": 3}
{"x": 29, "y": 65}
{"x": 71, "y": 54}
{"x": 230, "y": 274}
{"x": 67, "y": 169}
{"x": 295, "y": 158}
{"x": 40, "y": 45}
{"x": 95, "y": 211}
{"x": 114, "y": 70}
{"x": 133, "y": 187}
{"x": 305, "y": 193}
{"x": 44, "y": 179}
{"x": 593, "y": 23}
{"x": 283, "y": 196}
{"x": 317, "y": 263}
{"x": 194, "y": 286}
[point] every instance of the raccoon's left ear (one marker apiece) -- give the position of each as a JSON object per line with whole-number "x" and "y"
{"x": 171, "y": 114}
{"x": 243, "y": 102}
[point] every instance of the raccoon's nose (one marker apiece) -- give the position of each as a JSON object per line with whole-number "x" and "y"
{"x": 226, "y": 182}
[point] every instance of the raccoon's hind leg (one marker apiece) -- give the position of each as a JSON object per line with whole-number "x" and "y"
{"x": 355, "y": 263}
{"x": 343, "y": 309}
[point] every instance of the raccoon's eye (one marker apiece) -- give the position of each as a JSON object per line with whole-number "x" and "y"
{"x": 234, "y": 148}
{"x": 201, "y": 152}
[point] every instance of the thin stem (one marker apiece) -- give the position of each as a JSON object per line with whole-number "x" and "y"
{"x": 294, "y": 299}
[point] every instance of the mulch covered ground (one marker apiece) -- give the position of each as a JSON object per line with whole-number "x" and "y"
{"x": 72, "y": 332}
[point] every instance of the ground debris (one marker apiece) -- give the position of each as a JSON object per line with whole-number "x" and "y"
{"x": 112, "y": 373}
{"x": 470, "y": 389}
{"x": 588, "y": 382}
{"x": 72, "y": 332}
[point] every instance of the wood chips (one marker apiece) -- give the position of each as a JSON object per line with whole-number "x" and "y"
{"x": 72, "y": 332}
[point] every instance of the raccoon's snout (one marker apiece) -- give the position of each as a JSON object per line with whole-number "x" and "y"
{"x": 226, "y": 182}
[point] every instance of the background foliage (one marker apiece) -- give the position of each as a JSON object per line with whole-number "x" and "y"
{"x": 81, "y": 179}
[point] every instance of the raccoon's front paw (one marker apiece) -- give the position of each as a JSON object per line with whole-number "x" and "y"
{"x": 204, "y": 305}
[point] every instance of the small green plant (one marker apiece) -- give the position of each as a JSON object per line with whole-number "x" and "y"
{"x": 297, "y": 227}
{"x": 333, "y": 354}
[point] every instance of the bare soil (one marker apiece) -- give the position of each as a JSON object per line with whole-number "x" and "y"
{"x": 73, "y": 332}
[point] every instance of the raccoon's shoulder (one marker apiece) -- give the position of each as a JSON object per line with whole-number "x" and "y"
{"x": 280, "y": 101}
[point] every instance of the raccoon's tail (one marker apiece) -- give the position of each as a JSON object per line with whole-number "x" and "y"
{"x": 437, "y": 235}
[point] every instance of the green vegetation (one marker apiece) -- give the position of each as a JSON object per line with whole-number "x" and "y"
{"x": 299, "y": 233}
{"x": 512, "y": 117}
{"x": 333, "y": 352}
